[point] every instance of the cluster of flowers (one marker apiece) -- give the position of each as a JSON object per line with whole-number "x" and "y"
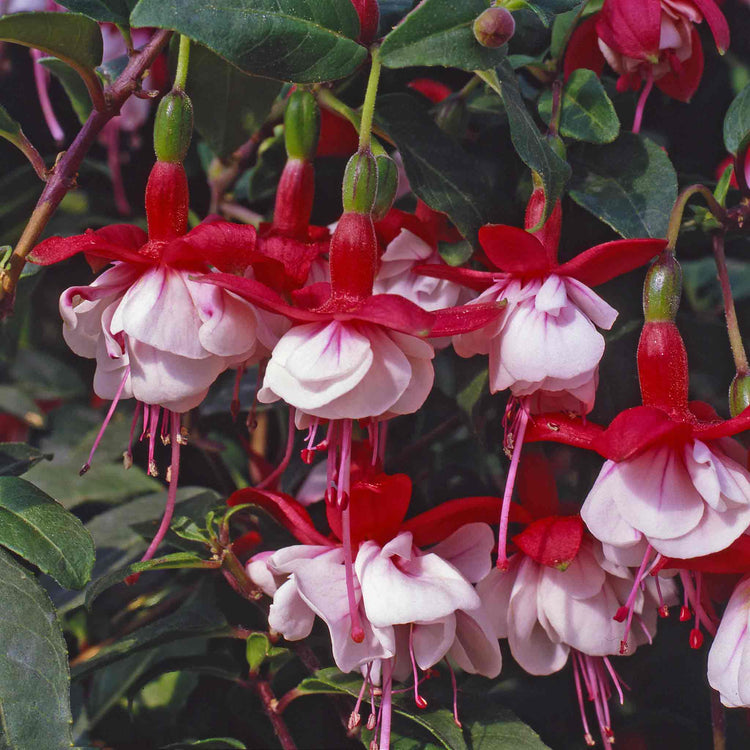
{"x": 345, "y": 324}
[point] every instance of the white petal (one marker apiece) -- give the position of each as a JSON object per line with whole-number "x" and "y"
{"x": 476, "y": 649}
{"x": 289, "y": 614}
{"x": 469, "y": 550}
{"x": 591, "y": 304}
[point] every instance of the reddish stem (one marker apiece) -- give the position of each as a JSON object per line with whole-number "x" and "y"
{"x": 270, "y": 707}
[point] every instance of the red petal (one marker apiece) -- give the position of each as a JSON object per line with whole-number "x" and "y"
{"x": 733, "y": 559}
{"x": 583, "y": 49}
{"x": 451, "y": 321}
{"x": 378, "y": 506}
{"x": 477, "y": 280}
{"x": 313, "y": 296}
{"x": 562, "y": 428}
{"x": 634, "y": 430}
{"x": 552, "y": 541}
{"x": 725, "y": 428}
{"x": 683, "y": 85}
{"x": 286, "y": 510}
{"x": 716, "y": 21}
{"x": 535, "y": 483}
{"x": 388, "y": 228}
{"x": 631, "y": 28}
{"x": 440, "y": 522}
{"x": 603, "y": 262}
{"x": 703, "y": 412}
{"x": 291, "y": 260}
{"x": 115, "y": 242}
{"x": 228, "y": 247}
{"x": 514, "y": 250}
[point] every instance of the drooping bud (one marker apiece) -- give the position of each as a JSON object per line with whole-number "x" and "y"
{"x": 387, "y": 186}
{"x": 173, "y": 127}
{"x": 167, "y": 201}
{"x": 369, "y": 18}
{"x": 353, "y": 256}
{"x": 360, "y": 185}
{"x": 494, "y": 27}
{"x": 739, "y": 394}
{"x": 294, "y": 199}
{"x": 662, "y": 289}
{"x": 663, "y": 366}
{"x": 453, "y": 116}
{"x": 301, "y": 125}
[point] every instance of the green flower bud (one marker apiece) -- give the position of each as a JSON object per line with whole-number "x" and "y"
{"x": 739, "y": 394}
{"x": 662, "y": 289}
{"x": 301, "y": 125}
{"x": 173, "y": 127}
{"x": 360, "y": 183}
{"x": 453, "y": 116}
{"x": 387, "y": 186}
{"x": 494, "y": 27}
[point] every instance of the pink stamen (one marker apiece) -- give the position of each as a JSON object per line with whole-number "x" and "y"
{"x": 42, "y": 80}
{"x": 171, "y": 497}
{"x": 456, "y": 720}
{"x": 385, "y": 705}
{"x": 146, "y": 413}
{"x": 579, "y": 694}
{"x": 373, "y": 429}
{"x": 111, "y": 411}
{"x": 128, "y": 455}
{"x": 630, "y": 603}
{"x": 308, "y": 454}
{"x": 153, "y": 427}
{"x": 642, "y": 101}
{"x": 518, "y": 436}
{"x": 270, "y": 480}
{"x": 355, "y": 719}
{"x": 251, "y": 422}
{"x": 418, "y": 699}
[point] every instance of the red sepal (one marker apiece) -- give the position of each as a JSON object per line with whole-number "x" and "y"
{"x": 451, "y": 321}
{"x": 603, "y": 262}
{"x": 338, "y": 136}
{"x": 389, "y": 227}
{"x": 716, "y": 21}
{"x": 115, "y": 242}
{"x": 553, "y": 541}
{"x": 433, "y": 90}
{"x": 562, "y": 428}
{"x": 377, "y": 508}
{"x": 167, "y": 201}
{"x": 440, "y": 522}
{"x": 733, "y": 559}
{"x": 683, "y": 84}
{"x": 515, "y": 250}
{"x": 535, "y": 484}
{"x": 285, "y": 509}
{"x": 228, "y": 247}
{"x": 394, "y": 312}
{"x": 725, "y": 428}
{"x": 583, "y": 49}
{"x": 288, "y": 260}
{"x": 631, "y": 28}
{"x": 477, "y": 280}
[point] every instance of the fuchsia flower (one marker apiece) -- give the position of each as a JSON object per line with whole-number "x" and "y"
{"x": 560, "y": 596}
{"x": 545, "y": 343}
{"x": 414, "y": 607}
{"x": 648, "y": 40}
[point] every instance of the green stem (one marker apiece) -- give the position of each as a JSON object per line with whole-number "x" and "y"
{"x": 733, "y": 327}
{"x": 675, "y": 218}
{"x": 183, "y": 59}
{"x": 469, "y": 87}
{"x": 368, "y": 108}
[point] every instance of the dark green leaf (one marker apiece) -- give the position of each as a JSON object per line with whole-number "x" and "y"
{"x": 258, "y": 648}
{"x": 73, "y": 38}
{"x": 167, "y": 562}
{"x": 228, "y": 105}
{"x": 197, "y": 616}
{"x": 629, "y": 184}
{"x": 737, "y": 121}
{"x": 587, "y": 113}
{"x": 113, "y": 11}
{"x": 561, "y": 30}
{"x": 215, "y": 743}
{"x": 34, "y": 680}
{"x": 74, "y": 87}
{"x": 534, "y": 150}
{"x": 440, "y": 172}
{"x": 46, "y": 377}
{"x": 41, "y": 531}
{"x": 18, "y": 458}
{"x": 505, "y": 731}
{"x": 548, "y": 9}
{"x": 9, "y": 128}
{"x": 439, "y": 32}
{"x": 283, "y": 39}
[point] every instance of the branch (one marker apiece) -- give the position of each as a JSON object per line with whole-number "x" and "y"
{"x": 63, "y": 175}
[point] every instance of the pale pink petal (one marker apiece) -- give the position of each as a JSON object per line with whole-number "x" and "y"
{"x": 591, "y": 304}
{"x": 469, "y": 550}
{"x": 432, "y": 640}
{"x": 289, "y": 614}
{"x": 476, "y": 649}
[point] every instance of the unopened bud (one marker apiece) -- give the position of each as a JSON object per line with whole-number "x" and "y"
{"x": 662, "y": 289}
{"x": 494, "y": 27}
{"x": 387, "y": 186}
{"x": 301, "y": 125}
{"x": 739, "y": 394}
{"x": 173, "y": 127}
{"x": 360, "y": 183}
{"x": 453, "y": 116}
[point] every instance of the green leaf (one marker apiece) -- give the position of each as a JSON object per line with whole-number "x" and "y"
{"x": 40, "y": 530}
{"x": 439, "y": 32}
{"x": 34, "y": 679}
{"x": 18, "y": 458}
{"x": 228, "y": 105}
{"x": 74, "y": 87}
{"x": 288, "y": 40}
{"x": 629, "y": 184}
{"x": 9, "y": 128}
{"x": 214, "y": 743}
{"x": 73, "y": 38}
{"x": 546, "y": 10}
{"x": 112, "y": 11}
{"x": 258, "y": 648}
{"x": 587, "y": 113}
{"x": 440, "y": 172}
{"x": 167, "y": 562}
{"x": 737, "y": 121}
{"x": 197, "y": 616}
{"x": 505, "y": 731}
{"x": 534, "y": 150}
